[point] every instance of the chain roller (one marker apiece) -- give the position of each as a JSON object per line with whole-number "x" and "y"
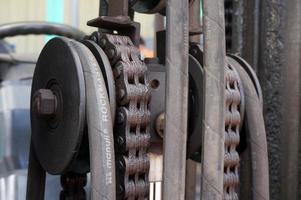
{"x": 132, "y": 126}
{"x": 73, "y": 186}
{"x": 232, "y": 137}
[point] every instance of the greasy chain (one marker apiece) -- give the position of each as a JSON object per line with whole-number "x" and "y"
{"x": 132, "y": 124}
{"x": 73, "y": 185}
{"x": 232, "y": 138}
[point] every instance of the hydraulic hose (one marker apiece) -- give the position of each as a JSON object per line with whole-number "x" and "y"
{"x": 256, "y": 138}
{"x": 214, "y": 103}
{"x": 38, "y": 28}
{"x": 100, "y": 128}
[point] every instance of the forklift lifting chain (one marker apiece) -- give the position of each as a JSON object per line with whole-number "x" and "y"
{"x": 75, "y": 129}
{"x": 132, "y": 131}
{"x": 132, "y": 137}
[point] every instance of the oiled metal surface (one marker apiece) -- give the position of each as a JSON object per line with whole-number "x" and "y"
{"x": 176, "y": 100}
{"x": 132, "y": 127}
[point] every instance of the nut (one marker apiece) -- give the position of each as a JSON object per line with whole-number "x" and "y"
{"x": 44, "y": 102}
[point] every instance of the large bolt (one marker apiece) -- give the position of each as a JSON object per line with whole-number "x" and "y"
{"x": 44, "y": 102}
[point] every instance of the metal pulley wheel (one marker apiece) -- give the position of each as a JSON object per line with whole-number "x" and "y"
{"x": 195, "y": 102}
{"x": 194, "y": 139}
{"x": 68, "y": 94}
{"x": 251, "y": 73}
{"x": 106, "y": 70}
{"x": 58, "y": 84}
{"x": 244, "y": 128}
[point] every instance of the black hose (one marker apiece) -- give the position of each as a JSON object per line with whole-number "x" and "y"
{"x": 100, "y": 128}
{"x": 37, "y": 28}
{"x": 36, "y": 177}
{"x": 214, "y": 103}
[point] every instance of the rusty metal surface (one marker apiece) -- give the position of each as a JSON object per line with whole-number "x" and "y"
{"x": 132, "y": 136}
{"x": 122, "y": 24}
{"x": 214, "y": 102}
{"x": 232, "y": 133}
{"x": 256, "y": 141}
{"x": 118, "y": 7}
{"x": 174, "y": 163}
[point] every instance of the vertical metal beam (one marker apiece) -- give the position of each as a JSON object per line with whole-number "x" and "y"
{"x": 118, "y": 7}
{"x": 191, "y": 175}
{"x": 194, "y": 21}
{"x": 176, "y": 100}
{"x": 103, "y": 8}
{"x": 214, "y": 108}
{"x": 290, "y": 127}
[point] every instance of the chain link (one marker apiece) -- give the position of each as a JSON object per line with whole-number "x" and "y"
{"x": 232, "y": 137}
{"x": 228, "y": 23}
{"x": 73, "y": 186}
{"x": 132, "y": 126}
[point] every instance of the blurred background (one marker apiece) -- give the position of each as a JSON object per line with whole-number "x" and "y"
{"x": 72, "y": 12}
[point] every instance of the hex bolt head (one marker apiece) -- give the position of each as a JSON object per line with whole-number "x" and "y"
{"x": 44, "y": 102}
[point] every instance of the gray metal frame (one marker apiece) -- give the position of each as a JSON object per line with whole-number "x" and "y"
{"x": 174, "y": 156}
{"x": 214, "y": 104}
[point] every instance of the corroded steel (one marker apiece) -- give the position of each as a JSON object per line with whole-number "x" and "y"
{"x": 132, "y": 136}
{"x": 232, "y": 137}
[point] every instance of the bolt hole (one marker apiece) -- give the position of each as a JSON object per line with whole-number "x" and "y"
{"x": 155, "y": 84}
